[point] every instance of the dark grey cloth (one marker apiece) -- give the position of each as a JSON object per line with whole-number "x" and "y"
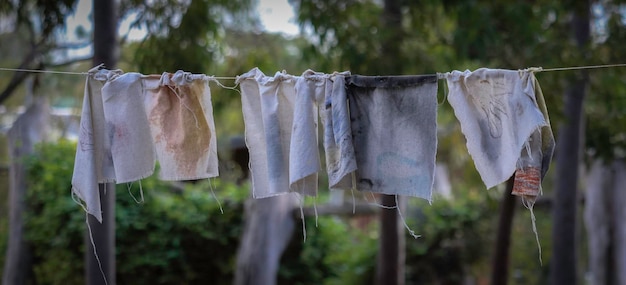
{"x": 394, "y": 132}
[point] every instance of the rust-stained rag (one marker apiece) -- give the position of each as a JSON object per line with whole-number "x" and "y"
{"x": 180, "y": 115}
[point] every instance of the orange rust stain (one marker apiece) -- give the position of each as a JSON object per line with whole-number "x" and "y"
{"x": 527, "y": 182}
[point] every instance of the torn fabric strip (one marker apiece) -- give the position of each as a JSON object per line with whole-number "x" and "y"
{"x": 340, "y": 159}
{"x": 394, "y": 130}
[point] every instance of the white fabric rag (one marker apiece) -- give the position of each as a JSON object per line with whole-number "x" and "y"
{"x": 127, "y": 128}
{"x": 498, "y": 112}
{"x": 394, "y": 131}
{"x": 93, "y": 163}
{"x": 268, "y": 108}
{"x": 180, "y": 115}
{"x": 304, "y": 157}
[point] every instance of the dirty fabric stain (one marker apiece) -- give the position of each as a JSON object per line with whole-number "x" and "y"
{"x": 181, "y": 124}
{"x": 394, "y": 132}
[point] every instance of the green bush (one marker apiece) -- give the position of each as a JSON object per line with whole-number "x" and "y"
{"x": 177, "y": 236}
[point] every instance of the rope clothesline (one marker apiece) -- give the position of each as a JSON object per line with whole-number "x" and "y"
{"x": 538, "y": 69}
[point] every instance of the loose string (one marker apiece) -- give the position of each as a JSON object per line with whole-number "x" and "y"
{"x": 129, "y": 186}
{"x": 215, "y": 196}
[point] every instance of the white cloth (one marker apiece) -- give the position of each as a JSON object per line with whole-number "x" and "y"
{"x": 394, "y": 131}
{"x": 304, "y": 157}
{"x": 93, "y": 163}
{"x": 127, "y": 128}
{"x": 340, "y": 160}
{"x": 180, "y": 115}
{"x": 268, "y": 107}
{"x": 498, "y": 112}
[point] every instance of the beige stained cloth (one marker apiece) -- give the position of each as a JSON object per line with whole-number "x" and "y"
{"x": 180, "y": 114}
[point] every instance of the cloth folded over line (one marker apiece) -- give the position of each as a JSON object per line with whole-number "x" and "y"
{"x": 500, "y": 116}
{"x": 268, "y": 107}
{"x": 180, "y": 115}
{"x": 394, "y": 131}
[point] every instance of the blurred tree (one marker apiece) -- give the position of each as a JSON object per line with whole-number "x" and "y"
{"x": 518, "y": 34}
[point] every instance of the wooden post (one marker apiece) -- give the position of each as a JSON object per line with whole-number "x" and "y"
{"x": 104, "y": 51}
{"x": 500, "y": 262}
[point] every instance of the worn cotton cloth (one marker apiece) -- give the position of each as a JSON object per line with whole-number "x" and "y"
{"x": 338, "y": 147}
{"x": 180, "y": 116}
{"x": 498, "y": 112}
{"x": 93, "y": 163}
{"x": 127, "y": 128}
{"x": 268, "y": 108}
{"x": 394, "y": 130}
{"x": 304, "y": 157}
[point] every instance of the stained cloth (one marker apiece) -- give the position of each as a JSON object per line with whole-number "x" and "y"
{"x": 394, "y": 131}
{"x": 180, "y": 116}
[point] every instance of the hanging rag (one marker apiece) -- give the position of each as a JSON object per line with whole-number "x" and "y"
{"x": 180, "y": 114}
{"x": 394, "y": 130}
{"x": 304, "y": 157}
{"x": 268, "y": 107}
{"x": 340, "y": 159}
{"x": 93, "y": 163}
{"x": 498, "y": 112}
{"x": 127, "y": 128}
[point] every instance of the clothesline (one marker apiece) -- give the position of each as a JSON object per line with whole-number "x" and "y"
{"x": 536, "y": 69}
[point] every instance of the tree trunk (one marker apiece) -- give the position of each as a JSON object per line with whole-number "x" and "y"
{"x": 27, "y": 130}
{"x": 604, "y": 216}
{"x": 390, "y": 268}
{"x": 267, "y": 232}
{"x": 500, "y": 265}
{"x": 104, "y": 51}
{"x": 564, "y": 258}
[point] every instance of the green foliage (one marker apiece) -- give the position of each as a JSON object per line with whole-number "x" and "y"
{"x": 454, "y": 242}
{"x": 177, "y": 236}
{"x": 182, "y": 35}
{"x": 333, "y": 253}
